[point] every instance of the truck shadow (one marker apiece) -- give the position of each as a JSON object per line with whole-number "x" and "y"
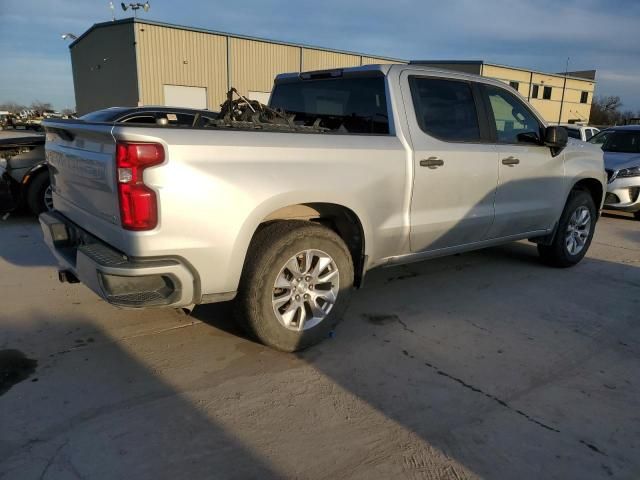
{"x": 493, "y": 359}
{"x": 92, "y": 409}
{"x": 21, "y": 242}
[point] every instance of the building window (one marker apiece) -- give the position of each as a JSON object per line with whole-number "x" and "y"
{"x": 514, "y": 85}
{"x": 534, "y": 91}
{"x": 546, "y": 93}
{"x": 584, "y": 97}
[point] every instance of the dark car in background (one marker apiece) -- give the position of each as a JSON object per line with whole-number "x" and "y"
{"x": 24, "y": 175}
{"x": 163, "y": 116}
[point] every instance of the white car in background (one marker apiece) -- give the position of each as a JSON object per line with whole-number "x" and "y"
{"x": 621, "y": 147}
{"x": 580, "y": 132}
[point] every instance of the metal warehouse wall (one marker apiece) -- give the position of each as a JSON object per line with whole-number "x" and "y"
{"x": 146, "y": 56}
{"x": 176, "y": 56}
{"x": 104, "y": 69}
{"x": 254, "y": 64}
{"x": 170, "y": 56}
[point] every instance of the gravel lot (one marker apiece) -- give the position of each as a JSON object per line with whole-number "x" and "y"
{"x": 486, "y": 364}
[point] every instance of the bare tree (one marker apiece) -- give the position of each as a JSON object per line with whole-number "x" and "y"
{"x": 605, "y": 110}
{"x": 39, "y": 106}
{"x": 12, "y": 107}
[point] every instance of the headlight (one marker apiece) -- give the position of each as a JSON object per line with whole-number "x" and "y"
{"x": 629, "y": 172}
{"x": 3, "y": 163}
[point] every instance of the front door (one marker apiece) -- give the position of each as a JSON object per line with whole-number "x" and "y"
{"x": 531, "y": 180}
{"x": 455, "y": 163}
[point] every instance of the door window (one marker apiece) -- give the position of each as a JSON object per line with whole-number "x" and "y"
{"x": 513, "y": 121}
{"x": 445, "y": 109}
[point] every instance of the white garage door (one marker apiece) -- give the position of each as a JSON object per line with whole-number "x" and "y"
{"x": 262, "y": 97}
{"x": 187, "y": 97}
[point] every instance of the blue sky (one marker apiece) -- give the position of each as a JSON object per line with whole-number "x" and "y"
{"x": 537, "y": 34}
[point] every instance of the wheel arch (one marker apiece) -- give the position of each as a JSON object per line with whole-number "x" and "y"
{"x": 594, "y": 187}
{"x": 341, "y": 219}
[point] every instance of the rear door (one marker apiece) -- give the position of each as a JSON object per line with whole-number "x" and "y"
{"x": 531, "y": 180}
{"x": 455, "y": 164}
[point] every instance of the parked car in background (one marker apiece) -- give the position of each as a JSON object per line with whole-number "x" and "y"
{"x": 153, "y": 115}
{"x": 580, "y": 132}
{"x": 285, "y": 209}
{"x": 621, "y": 146}
{"x": 24, "y": 177}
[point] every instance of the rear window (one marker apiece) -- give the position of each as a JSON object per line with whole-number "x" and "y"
{"x": 108, "y": 115}
{"x": 349, "y": 105}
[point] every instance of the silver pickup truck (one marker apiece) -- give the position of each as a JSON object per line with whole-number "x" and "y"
{"x": 377, "y": 165}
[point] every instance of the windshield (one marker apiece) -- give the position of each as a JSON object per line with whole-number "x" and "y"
{"x": 619, "y": 141}
{"x": 353, "y": 105}
{"x": 601, "y": 137}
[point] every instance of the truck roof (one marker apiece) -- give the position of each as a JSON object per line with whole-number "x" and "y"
{"x": 385, "y": 69}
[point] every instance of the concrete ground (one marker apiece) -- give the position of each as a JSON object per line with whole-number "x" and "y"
{"x": 486, "y": 364}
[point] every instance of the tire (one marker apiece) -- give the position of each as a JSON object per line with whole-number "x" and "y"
{"x": 636, "y": 215}
{"x": 559, "y": 253}
{"x": 36, "y": 193}
{"x": 269, "y": 253}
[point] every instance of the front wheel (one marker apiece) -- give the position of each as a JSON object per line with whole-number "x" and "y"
{"x": 295, "y": 285}
{"x": 574, "y": 233}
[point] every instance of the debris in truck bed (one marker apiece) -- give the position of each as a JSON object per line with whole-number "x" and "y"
{"x": 244, "y": 113}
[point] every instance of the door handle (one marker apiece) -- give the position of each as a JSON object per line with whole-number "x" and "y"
{"x": 511, "y": 161}
{"x": 432, "y": 162}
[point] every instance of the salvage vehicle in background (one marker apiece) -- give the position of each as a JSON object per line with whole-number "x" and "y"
{"x": 621, "y": 146}
{"x": 24, "y": 177}
{"x": 285, "y": 208}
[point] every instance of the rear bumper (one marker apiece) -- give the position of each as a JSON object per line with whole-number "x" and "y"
{"x": 120, "y": 280}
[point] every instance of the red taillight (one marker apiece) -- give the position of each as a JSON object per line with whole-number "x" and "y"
{"x": 138, "y": 204}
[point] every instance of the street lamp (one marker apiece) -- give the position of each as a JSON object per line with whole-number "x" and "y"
{"x": 69, "y": 36}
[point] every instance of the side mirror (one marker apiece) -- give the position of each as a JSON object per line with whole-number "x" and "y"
{"x": 556, "y": 138}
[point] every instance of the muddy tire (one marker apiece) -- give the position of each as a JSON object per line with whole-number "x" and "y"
{"x": 295, "y": 286}
{"x": 574, "y": 234}
{"x": 36, "y": 192}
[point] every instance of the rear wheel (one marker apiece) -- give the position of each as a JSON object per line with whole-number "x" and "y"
{"x": 39, "y": 195}
{"x": 575, "y": 232}
{"x": 295, "y": 286}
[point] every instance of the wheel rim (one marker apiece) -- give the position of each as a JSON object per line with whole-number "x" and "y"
{"x": 48, "y": 198}
{"x": 578, "y": 230}
{"x": 305, "y": 290}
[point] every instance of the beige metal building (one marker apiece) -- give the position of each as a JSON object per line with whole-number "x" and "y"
{"x": 140, "y": 62}
{"x": 559, "y": 97}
